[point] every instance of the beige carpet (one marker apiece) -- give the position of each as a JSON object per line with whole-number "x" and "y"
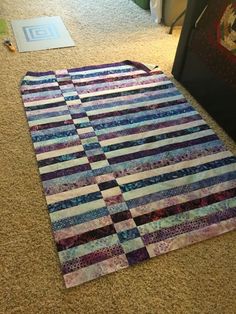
{"x": 197, "y": 279}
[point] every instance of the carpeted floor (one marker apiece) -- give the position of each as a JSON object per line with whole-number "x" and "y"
{"x": 197, "y": 279}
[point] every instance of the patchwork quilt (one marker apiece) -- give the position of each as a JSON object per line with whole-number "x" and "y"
{"x": 129, "y": 169}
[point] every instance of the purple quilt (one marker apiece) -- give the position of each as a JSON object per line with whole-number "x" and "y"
{"x": 129, "y": 169}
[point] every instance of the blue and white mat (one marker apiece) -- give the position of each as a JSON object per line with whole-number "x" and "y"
{"x": 41, "y": 33}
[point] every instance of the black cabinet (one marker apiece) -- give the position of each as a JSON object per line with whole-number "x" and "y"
{"x": 201, "y": 65}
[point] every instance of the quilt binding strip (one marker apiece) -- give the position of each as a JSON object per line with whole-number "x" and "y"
{"x": 129, "y": 169}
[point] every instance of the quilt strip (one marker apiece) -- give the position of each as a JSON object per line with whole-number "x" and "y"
{"x": 129, "y": 169}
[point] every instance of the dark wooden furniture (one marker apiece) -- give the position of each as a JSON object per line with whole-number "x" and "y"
{"x": 202, "y": 78}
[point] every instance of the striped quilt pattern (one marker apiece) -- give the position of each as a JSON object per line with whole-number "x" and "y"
{"x": 129, "y": 169}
